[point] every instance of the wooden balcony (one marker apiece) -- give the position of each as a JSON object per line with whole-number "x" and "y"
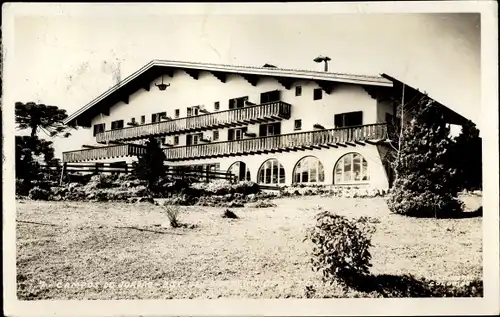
{"x": 330, "y": 138}
{"x": 104, "y": 152}
{"x": 254, "y": 114}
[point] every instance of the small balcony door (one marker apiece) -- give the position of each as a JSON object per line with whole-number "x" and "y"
{"x": 193, "y": 139}
{"x": 348, "y": 119}
{"x": 237, "y": 102}
{"x": 236, "y": 134}
{"x": 270, "y": 129}
{"x": 270, "y": 96}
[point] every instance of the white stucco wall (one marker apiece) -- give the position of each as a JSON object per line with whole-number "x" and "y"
{"x": 384, "y": 107}
{"x": 328, "y": 157}
{"x": 184, "y": 91}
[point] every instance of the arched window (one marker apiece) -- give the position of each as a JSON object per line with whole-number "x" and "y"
{"x": 241, "y": 171}
{"x": 271, "y": 172}
{"x": 351, "y": 168}
{"x": 309, "y": 170}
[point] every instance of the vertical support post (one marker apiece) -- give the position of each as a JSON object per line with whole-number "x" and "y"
{"x": 63, "y": 171}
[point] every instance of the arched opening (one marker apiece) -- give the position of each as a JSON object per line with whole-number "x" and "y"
{"x": 309, "y": 169}
{"x": 271, "y": 172}
{"x": 240, "y": 170}
{"x": 352, "y": 168}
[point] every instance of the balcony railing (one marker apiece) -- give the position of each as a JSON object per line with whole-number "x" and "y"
{"x": 107, "y": 152}
{"x": 341, "y": 137}
{"x": 265, "y": 112}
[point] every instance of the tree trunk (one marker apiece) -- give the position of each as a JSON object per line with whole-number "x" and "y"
{"x": 33, "y": 131}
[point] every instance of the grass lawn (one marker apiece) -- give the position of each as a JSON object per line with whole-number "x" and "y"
{"x": 260, "y": 255}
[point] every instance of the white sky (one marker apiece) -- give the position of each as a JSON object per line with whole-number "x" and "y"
{"x": 69, "y": 60}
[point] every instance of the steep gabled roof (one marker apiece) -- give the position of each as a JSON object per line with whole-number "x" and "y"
{"x": 452, "y": 116}
{"x": 143, "y": 77}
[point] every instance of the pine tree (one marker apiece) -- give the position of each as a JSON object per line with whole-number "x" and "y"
{"x": 150, "y": 166}
{"x": 36, "y": 117}
{"x": 426, "y": 177}
{"x": 468, "y": 157}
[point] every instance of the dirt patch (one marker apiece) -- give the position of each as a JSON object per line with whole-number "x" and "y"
{"x": 262, "y": 254}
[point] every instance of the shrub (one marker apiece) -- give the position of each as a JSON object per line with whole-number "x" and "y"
{"x": 37, "y": 193}
{"x": 263, "y": 204}
{"x": 426, "y": 180}
{"x": 100, "y": 181}
{"x": 126, "y": 177}
{"x": 23, "y": 187}
{"x": 246, "y": 188}
{"x": 150, "y": 165}
{"x": 217, "y": 187}
{"x": 341, "y": 247}
{"x": 422, "y": 204}
{"x": 229, "y": 214}
{"x": 224, "y": 187}
{"x": 172, "y": 214}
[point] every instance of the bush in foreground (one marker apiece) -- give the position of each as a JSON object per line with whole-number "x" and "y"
{"x": 37, "y": 193}
{"x": 422, "y": 204}
{"x": 341, "y": 247}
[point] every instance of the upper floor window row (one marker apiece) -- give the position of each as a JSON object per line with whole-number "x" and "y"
{"x": 157, "y": 117}
{"x": 348, "y": 119}
{"x": 98, "y": 128}
{"x": 117, "y": 125}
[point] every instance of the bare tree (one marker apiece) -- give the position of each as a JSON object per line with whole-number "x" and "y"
{"x": 404, "y": 111}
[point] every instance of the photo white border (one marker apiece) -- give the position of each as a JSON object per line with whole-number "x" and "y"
{"x": 489, "y": 304}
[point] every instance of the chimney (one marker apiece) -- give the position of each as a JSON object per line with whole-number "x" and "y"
{"x": 324, "y": 59}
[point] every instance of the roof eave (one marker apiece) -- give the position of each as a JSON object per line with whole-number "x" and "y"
{"x": 296, "y": 74}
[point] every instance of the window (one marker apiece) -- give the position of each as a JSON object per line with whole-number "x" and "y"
{"x": 270, "y": 129}
{"x": 270, "y": 96}
{"x": 298, "y": 91}
{"x": 156, "y": 117}
{"x": 309, "y": 170}
{"x": 271, "y": 172}
{"x": 163, "y": 140}
{"x": 237, "y": 102}
{"x": 351, "y": 168}
{"x": 132, "y": 120}
{"x": 99, "y": 128}
{"x": 349, "y": 119}
{"x": 193, "y": 111}
{"x": 193, "y": 139}
{"x": 176, "y": 140}
{"x": 117, "y": 124}
{"x": 318, "y": 94}
{"x": 298, "y": 124}
{"x": 240, "y": 170}
{"x": 216, "y": 106}
{"x": 143, "y": 119}
{"x": 236, "y": 134}
{"x": 215, "y": 136}
{"x": 177, "y": 113}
